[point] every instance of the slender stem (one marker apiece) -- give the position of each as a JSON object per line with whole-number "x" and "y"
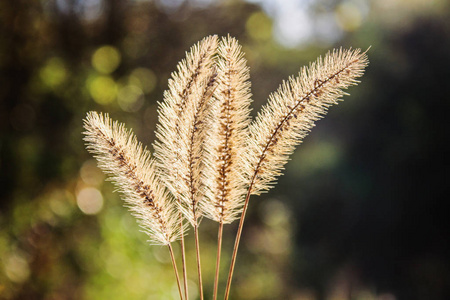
{"x": 219, "y": 248}
{"x": 199, "y": 265}
{"x": 238, "y": 238}
{"x": 175, "y": 270}
{"x": 183, "y": 259}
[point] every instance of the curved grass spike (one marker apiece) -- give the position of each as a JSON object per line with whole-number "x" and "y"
{"x": 176, "y": 114}
{"x": 226, "y": 141}
{"x": 183, "y": 116}
{"x": 288, "y": 117}
{"x": 133, "y": 171}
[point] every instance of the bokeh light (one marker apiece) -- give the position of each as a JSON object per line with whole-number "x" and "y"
{"x": 103, "y": 89}
{"x": 53, "y": 73}
{"x": 349, "y": 16}
{"x": 143, "y": 78}
{"x": 16, "y": 267}
{"x": 106, "y": 59}
{"x": 259, "y": 26}
{"x": 61, "y": 202}
{"x": 90, "y": 201}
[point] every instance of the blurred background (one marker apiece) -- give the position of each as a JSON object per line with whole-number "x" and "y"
{"x": 359, "y": 214}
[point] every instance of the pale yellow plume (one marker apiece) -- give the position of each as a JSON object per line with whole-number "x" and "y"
{"x": 228, "y": 135}
{"x": 292, "y": 110}
{"x": 120, "y": 155}
{"x": 183, "y": 117}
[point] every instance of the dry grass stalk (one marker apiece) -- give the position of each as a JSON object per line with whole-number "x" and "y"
{"x": 228, "y": 136}
{"x": 133, "y": 171}
{"x": 226, "y": 140}
{"x": 183, "y": 117}
{"x": 289, "y": 116}
{"x": 208, "y": 154}
{"x": 180, "y": 131}
{"x": 292, "y": 110}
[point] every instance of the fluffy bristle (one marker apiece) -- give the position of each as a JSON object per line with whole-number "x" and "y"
{"x": 228, "y": 135}
{"x": 133, "y": 171}
{"x": 183, "y": 117}
{"x": 292, "y": 110}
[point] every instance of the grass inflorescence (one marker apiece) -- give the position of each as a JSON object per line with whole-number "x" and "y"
{"x": 210, "y": 156}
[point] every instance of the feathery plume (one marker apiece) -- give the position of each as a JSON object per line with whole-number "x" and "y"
{"x": 292, "y": 110}
{"x": 228, "y": 135}
{"x": 225, "y": 141}
{"x": 208, "y": 154}
{"x": 183, "y": 116}
{"x": 288, "y": 117}
{"x": 120, "y": 155}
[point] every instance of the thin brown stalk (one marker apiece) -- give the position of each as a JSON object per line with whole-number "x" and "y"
{"x": 199, "y": 264}
{"x": 172, "y": 257}
{"x": 219, "y": 249}
{"x": 183, "y": 257}
{"x": 236, "y": 244}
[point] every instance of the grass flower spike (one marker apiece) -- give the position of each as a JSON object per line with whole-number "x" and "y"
{"x": 210, "y": 157}
{"x": 229, "y": 135}
{"x": 133, "y": 171}
{"x": 226, "y": 141}
{"x": 288, "y": 117}
{"x": 292, "y": 110}
{"x": 184, "y": 116}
